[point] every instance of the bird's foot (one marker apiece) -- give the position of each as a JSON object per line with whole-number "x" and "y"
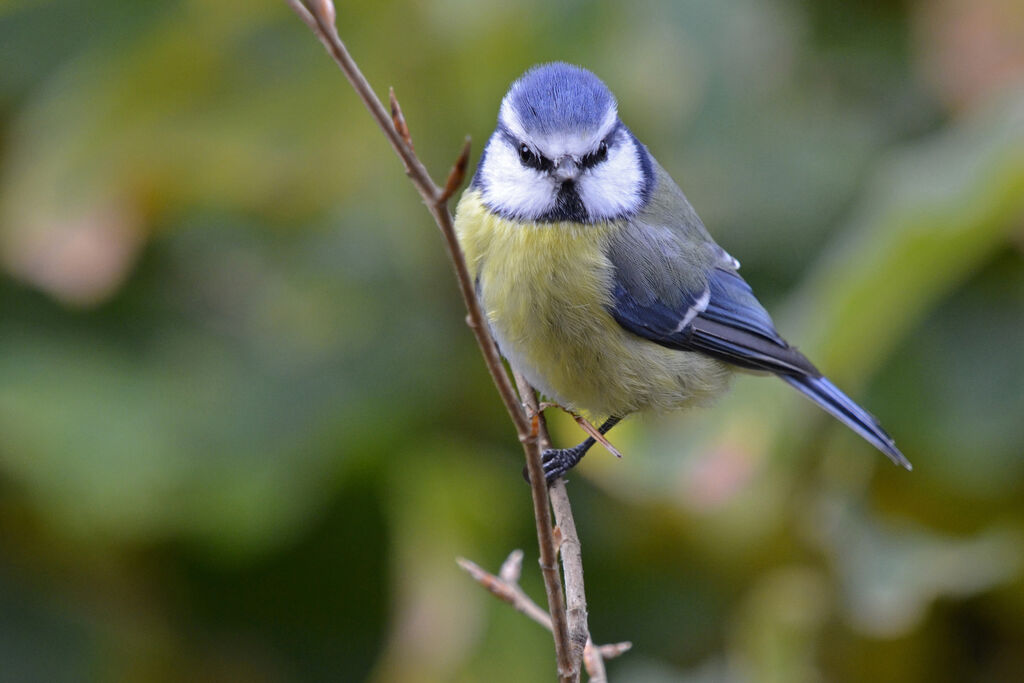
{"x": 558, "y": 461}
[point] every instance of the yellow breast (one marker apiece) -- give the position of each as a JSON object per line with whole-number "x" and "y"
{"x": 546, "y": 289}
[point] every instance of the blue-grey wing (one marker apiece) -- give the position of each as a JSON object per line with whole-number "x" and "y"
{"x": 726, "y": 321}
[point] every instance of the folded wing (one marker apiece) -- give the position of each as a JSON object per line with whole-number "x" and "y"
{"x": 726, "y": 321}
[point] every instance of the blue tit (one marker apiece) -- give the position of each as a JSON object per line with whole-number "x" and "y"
{"x": 600, "y": 282}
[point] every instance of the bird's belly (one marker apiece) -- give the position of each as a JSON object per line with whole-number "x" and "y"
{"x": 546, "y": 289}
{"x": 558, "y": 335}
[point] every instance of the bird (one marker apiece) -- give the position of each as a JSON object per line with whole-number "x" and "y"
{"x": 600, "y": 283}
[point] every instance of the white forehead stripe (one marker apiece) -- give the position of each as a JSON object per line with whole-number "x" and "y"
{"x": 508, "y": 116}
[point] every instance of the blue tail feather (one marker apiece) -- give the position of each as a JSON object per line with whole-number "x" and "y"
{"x": 829, "y": 397}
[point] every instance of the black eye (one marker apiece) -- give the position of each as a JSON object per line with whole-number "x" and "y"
{"x": 602, "y": 150}
{"x": 532, "y": 160}
{"x": 526, "y": 156}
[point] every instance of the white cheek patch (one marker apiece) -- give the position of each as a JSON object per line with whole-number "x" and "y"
{"x": 615, "y": 186}
{"x": 513, "y": 189}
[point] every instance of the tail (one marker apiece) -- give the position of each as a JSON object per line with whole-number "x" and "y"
{"x": 829, "y": 397}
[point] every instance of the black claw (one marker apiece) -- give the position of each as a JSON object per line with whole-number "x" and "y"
{"x": 558, "y": 461}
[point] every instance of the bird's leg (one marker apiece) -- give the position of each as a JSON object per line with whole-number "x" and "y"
{"x": 558, "y": 461}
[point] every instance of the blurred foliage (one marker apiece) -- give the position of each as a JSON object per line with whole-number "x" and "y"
{"x": 244, "y": 431}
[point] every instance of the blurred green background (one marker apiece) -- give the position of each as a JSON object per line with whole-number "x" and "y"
{"x": 244, "y": 431}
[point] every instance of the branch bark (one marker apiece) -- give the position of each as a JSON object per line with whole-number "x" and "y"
{"x": 569, "y": 541}
{"x": 570, "y": 632}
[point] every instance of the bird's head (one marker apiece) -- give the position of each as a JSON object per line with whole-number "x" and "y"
{"x": 560, "y": 152}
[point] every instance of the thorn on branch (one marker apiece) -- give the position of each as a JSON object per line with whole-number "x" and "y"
{"x": 512, "y": 567}
{"x": 457, "y": 174}
{"x": 398, "y": 119}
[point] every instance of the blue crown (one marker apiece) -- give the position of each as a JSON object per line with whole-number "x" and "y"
{"x": 558, "y": 97}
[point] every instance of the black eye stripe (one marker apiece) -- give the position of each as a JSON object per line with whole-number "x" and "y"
{"x": 532, "y": 160}
{"x": 595, "y": 157}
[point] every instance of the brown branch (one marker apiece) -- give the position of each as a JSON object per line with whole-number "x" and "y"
{"x": 569, "y": 659}
{"x": 505, "y": 586}
{"x": 457, "y": 174}
{"x": 319, "y": 15}
{"x": 568, "y": 540}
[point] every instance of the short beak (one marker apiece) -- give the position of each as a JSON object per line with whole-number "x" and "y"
{"x": 566, "y": 169}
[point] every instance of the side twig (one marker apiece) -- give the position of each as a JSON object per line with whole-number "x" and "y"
{"x": 319, "y": 16}
{"x": 505, "y": 586}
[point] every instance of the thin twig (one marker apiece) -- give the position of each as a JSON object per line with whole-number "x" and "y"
{"x": 457, "y": 174}
{"x": 319, "y": 15}
{"x": 506, "y": 589}
{"x": 505, "y": 586}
